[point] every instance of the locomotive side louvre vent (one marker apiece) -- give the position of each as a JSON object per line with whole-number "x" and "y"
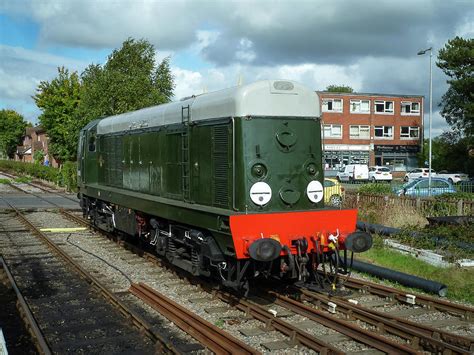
{"x": 220, "y": 163}
{"x": 111, "y": 157}
{"x": 117, "y": 166}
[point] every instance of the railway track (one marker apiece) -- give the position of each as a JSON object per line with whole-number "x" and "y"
{"x": 73, "y": 310}
{"x": 380, "y": 328}
{"x": 42, "y": 187}
{"x": 211, "y": 336}
{"x": 21, "y": 330}
{"x": 418, "y": 335}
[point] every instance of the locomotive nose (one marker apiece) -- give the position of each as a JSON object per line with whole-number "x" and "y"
{"x": 358, "y": 242}
{"x": 265, "y": 249}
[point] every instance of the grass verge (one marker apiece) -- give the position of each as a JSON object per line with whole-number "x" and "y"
{"x": 460, "y": 281}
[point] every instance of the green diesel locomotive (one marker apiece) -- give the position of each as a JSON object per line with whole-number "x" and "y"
{"x": 225, "y": 184}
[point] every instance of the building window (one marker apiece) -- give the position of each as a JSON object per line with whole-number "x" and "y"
{"x": 383, "y": 106}
{"x": 332, "y": 131}
{"x": 332, "y": 105}
{"x": 360, "y": 106}
{"x": 410, "y": 108}
{"x": 383, "y": 132}
{"x": 359, "y": 132}
{"x": 410, "y": 132}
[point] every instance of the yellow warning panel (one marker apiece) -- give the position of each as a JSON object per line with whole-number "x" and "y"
{"x": 63, "y": 230}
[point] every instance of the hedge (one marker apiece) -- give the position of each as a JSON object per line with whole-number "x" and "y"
{"x": 65, "y": 176}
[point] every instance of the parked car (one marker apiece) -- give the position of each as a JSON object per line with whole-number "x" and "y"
{"x": 453, "y": 178}
{"x": 380, "y": 173}
{"x": 420, "y": 187}
{"x": 418, "y": 173}
{"x": 353, "y": 172}
{"x": 333, "y": 192}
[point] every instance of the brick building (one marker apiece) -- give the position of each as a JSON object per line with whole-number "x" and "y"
{"x": 35, "y": 139}
{"x": 373, "y": 129}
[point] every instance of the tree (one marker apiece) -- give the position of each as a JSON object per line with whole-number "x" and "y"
{"x": 130, "y": 80}
{"x": 12, "y": 128}
{"x": 38, "y": 157}
{"x": 456, "y": 60}
{"x": 339, "y": 88}
{"x": 451, "y": 151}
{"x": 59, "y": 100}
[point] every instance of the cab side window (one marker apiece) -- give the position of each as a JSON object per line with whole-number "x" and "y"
{"x": 92, "y": 141}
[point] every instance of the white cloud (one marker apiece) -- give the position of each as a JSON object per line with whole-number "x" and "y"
{"x": 21, "y": 70}
{"x": 370, "y": 46}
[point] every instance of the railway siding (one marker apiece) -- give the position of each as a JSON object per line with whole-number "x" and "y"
{"x": 72, "y": 315}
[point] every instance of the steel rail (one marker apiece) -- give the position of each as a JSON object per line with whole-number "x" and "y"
{"x": 38, "y": 187}
{"x": 296, "y": 335}
{"x": 32, "y": 324}
{"x": 465, "y": 312}
{"x": 344, "y": 327}
{"x": 419, "y": 335}
{"x": 161, "y": 343}
{"x": 209, "y": 335}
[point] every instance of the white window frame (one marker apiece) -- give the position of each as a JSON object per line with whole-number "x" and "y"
{"x": 324, "y": 105}
{"x": 359, "y": 101}
{"x": 407, "y": 136}
{"x": 385, "y": 111}
{"x": 386, "y": 137}
{"x": 331, "y": 127}
{"x": 412, "y": 111}
{"x": 358, "y": 129}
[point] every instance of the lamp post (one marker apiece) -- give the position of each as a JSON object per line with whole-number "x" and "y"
{"x": 431, "y": 111}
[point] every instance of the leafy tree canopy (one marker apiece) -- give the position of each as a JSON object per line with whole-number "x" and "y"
{"x": 12, "y": 128}
{"x": 450, "y": 151}
{"x": 130, "y": 80}
{"x": 456, "y": 60}
{"x": 59, "y": 100}
{"x": 339, "y": 88}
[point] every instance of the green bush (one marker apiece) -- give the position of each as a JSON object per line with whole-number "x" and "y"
{"x": 376, "y": 189}
{"x": 456, "y": 196}
{"x": 69, "y": 175}
{"x": 64, "y": 176}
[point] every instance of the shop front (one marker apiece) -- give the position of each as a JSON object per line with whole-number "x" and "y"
{"x": 397, "y": 157}
{"x": 336, "y": 156}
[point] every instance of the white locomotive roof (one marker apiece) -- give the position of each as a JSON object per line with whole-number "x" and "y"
{"x": 273, "y": 98}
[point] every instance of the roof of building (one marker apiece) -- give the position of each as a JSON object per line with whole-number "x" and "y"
{"x": 271, "y": 98}
{"x": 367, "y": 94}
{"x": 37, "y": 130}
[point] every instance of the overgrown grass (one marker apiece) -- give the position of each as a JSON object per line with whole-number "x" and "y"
{"x": 445, "y": 240}
{"x": 4, "y": 181}
{"x": 23, "y": 179}
{"x": 460, "y": 281}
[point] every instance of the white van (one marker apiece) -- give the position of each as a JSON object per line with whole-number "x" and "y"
{"x": 353, "y": 172}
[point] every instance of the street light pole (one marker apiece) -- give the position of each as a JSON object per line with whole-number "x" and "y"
{"x": 430, "y": 120}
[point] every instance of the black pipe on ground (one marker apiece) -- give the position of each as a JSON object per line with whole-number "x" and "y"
{"x": 401, "y": 278}
{"x": 388, "y": 231}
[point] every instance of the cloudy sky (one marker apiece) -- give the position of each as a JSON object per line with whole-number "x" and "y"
{"x": 368, "y": 45}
